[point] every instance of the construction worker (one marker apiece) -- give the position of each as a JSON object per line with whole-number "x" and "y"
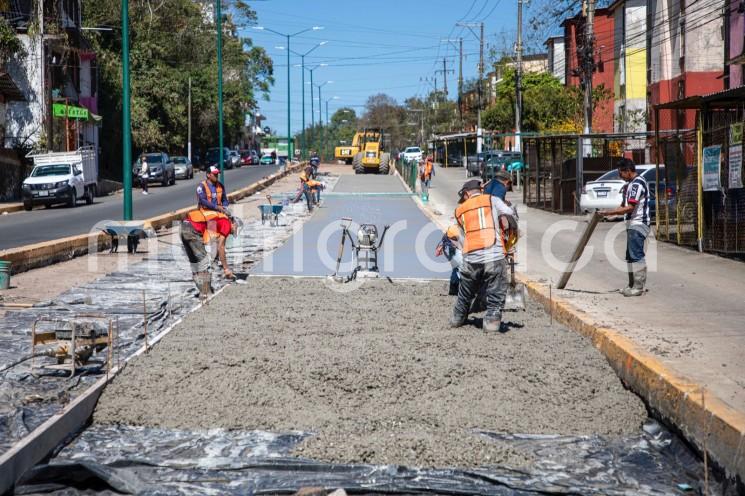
{"x": 315, "y": 163}
{"x": 500, "y": 185}
{"x": 212, "y": 203}
{"x": 635, "y": 209}
{"x": 211, "y": 194}
{"x": 484, "y": 265}
{"x": 426, "y": 171}
{"x": 451, "y": 247}
{"x": 305, "y": 189}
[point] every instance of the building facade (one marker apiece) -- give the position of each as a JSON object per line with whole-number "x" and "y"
{"x": 604, "y": 62}
{"x": 685, "y": 42}
{"x": 735, "y": 23}
{"x": 58, "y": 79}
{"x": 556, "y": 62}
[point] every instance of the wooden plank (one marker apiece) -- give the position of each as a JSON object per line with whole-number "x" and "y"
{"x": 579, "y": 249}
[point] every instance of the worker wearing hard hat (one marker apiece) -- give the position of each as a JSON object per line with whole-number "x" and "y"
{"x": 484, "y": 251}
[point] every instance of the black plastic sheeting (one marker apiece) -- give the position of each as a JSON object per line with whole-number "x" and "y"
{"x": 138, "y": 460}
{"x": 28, "y": 399}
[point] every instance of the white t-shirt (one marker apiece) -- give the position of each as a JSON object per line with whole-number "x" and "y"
{"x": 145, "y": 170}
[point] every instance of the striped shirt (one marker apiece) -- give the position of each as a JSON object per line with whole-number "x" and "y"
{"x": 637, "y": 195}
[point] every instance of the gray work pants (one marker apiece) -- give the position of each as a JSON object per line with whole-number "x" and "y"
{"x": 492, "y": 275}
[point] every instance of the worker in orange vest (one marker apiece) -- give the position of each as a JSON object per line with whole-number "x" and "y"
{"x": 212, "y": 219}
{"x": 306, "y": 189}
{"x": 484, "y": 253}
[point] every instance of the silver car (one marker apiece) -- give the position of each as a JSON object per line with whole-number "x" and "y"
{"x": 183, "y": 167}
{"x": 235, "y": 158}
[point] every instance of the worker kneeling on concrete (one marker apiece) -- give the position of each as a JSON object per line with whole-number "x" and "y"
{"x": 484, "y": 264}
{"x": 212, "y": 203}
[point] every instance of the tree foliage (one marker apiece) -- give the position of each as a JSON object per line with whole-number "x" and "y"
{"x": 10, "y": 46}
{"x": 170, "y": 42}
{"x": 547, "y": 104}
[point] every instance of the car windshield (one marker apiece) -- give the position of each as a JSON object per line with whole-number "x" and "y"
{"x": 412, "y": 149}
{"x": 179, "y": 160}
{"x": 245, "y": 154}
{"x": 609, "y": 176}
{"x": 154, "y": 159}
{"x": 51, "y": 170}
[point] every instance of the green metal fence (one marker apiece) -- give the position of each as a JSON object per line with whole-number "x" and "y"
{"x": 409, "y": 170}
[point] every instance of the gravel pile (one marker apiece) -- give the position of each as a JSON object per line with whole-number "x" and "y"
{"x": 374, "y": 373}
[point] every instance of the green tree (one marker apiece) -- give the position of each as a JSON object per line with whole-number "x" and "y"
{"x": 170, "y": 42}
{"x": 547, "y": 104}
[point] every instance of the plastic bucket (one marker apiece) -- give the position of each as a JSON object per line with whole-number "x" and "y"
{"x": 5, "y": 274}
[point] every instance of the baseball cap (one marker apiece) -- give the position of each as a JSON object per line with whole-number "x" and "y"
{"x": 469, "y": 185}
{"x": 213, "y": 170}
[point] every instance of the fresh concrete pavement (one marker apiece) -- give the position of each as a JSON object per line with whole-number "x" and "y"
{"x": 39, "y": 225}
{"x": 691, "y": 319}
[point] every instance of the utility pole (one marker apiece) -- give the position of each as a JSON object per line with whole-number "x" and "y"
{"x": 444, "y": 71}
{"x": 218, "y": 14}
{"x": 188, "y": 146}
{"x": 460, "y": 83}
{"x": 588, "y": 63}
{"x": 126, "y": 120}
{"x": 519, "y": 77}
{"x": 479, "y": 131}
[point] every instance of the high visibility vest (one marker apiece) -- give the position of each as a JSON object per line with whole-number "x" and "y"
{"x": 208, "y": 217}
{"x": 207, "y": 191}
{"x": 475, "y": 218}
{"x": 428, "y": 168}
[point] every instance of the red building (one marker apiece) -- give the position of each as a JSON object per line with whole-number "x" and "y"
{"x": 574, "y": 32}
{"x": 686, "y": 54}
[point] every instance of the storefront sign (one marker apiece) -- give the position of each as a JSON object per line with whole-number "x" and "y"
{"x": 69, "y": 111}
{"x": 712, "y": 166}
{"x": 735, "y": 166}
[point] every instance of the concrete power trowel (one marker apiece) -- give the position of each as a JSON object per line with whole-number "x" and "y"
{"x": 365, "y": 251}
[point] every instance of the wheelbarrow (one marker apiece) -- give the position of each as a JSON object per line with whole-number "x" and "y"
{"x": 270, "y": 212}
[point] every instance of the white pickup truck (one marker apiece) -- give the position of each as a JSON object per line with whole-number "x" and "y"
{"x": 61, "y": 177}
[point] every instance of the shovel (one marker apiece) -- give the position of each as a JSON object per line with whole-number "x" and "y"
{"x": 345, "y": 223}
{"x": 516, "y": 292}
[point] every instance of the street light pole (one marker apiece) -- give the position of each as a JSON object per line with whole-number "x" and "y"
{"x": 288, "y": 36}
{"x": 126, "y": 119}
{"x": 218, "y": 13}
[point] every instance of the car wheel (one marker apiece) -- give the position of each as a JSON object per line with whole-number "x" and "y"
{"x": 27, "y": 205}
{"x": 89, "y": 196}
{"x": 173, "y": 179}
{"x": 73, "y": 201}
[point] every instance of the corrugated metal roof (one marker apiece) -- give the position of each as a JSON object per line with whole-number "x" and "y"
{"x": 721, "y": 99}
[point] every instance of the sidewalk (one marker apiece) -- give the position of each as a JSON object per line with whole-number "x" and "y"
{"x": 692, "y": 318}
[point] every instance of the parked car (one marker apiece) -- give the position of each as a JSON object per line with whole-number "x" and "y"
{"x": 267, "y": 160}
{"x": 235, "y": 158}
{"x": 61, "y": 177}
{"x": 605, "y": 192}
{"x": 249, "y": 157}
{"x": 495, "y": 160}
{"x": 412, "y": 153}
{"x": 183, "y": 166}
{"x": 160, "y": 166}
{"x": 212, "y": 158}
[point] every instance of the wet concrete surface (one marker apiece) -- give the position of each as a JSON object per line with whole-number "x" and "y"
{"x": 375, "y": 373}
{"x": 407, "y": 250}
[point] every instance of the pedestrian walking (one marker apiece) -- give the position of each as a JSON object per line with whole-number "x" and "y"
{"x": 635, "y": 209}
{"x": 480, "y": 218}
{"x": 144, "y": 174}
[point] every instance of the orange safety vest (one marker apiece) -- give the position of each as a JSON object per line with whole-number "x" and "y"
{"x": 218, "y": 188}
{"x": 475, "y": 218}
{"x": 208, "y": 217}
{"x": 428, "y": 168}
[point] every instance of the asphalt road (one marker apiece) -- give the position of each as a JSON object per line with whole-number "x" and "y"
{"x": 42, "y": 224}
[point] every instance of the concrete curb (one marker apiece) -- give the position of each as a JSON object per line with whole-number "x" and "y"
{"x": 702, "y": 418}
{"x": 9, "y": 209}
{"x": 38, "y": 255}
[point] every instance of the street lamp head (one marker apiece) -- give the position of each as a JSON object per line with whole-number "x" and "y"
{"x": 336, "y": 98}
{"x": 260, "y": 28}
{"x": 279, "y": 47}
{"x": 296, "y": 65}
{"x": 322, "y": 43}
{"x": 317, "y": 28}
{"x": 323, "y": 65}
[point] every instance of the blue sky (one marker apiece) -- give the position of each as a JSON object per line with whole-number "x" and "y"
{"x": 386, "y": 46}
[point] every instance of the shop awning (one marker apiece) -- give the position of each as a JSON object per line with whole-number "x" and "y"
{"x": 9, "y": 89}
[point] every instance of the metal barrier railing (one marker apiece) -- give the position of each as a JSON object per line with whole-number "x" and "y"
{"x": 408, "y": 169}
